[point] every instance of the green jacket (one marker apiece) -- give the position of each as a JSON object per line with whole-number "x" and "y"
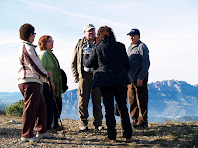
{"x": 50, "y": 63}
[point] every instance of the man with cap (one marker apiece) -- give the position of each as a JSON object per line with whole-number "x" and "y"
{"x": 138, "y": 54}
{"x": 83, "y": 76}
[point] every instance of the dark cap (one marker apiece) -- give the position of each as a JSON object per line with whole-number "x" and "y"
{"x": 134, "y": 32}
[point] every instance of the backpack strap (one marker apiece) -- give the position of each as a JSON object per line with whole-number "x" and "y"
{"x": 45, "y": 54}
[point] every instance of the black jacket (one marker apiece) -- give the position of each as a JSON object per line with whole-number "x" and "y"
{"x": 110, "y": 62}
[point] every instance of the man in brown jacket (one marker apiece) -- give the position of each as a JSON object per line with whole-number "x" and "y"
{"x": 83, "y": 76}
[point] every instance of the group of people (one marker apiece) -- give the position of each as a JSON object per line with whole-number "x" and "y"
{"x": 103, "y": 70}
{"x": 40, "y": 82}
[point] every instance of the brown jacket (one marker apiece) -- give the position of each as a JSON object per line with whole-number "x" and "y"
{"x": 76, "y": 65}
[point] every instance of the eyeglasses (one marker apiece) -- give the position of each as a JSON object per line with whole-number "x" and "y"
{"x": 50, "y": 41}
{"x": 34, "y": 33}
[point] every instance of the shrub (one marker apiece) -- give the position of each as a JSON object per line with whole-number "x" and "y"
{"x": 15, "y": 109}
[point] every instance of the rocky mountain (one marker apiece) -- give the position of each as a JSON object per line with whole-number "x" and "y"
{"x": 172, "y": 99}
{"x": 168, "y": 100}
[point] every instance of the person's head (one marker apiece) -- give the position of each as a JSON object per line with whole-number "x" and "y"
{"x": 45, "y": 43}
{"x": 134, "y": 36}
{"x": 104, "y": 33}
{"x": 27, "y": 32}
{"x": 89, "y": 31}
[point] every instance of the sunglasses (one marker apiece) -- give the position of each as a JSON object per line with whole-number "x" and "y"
{"x": 50, "y": 41}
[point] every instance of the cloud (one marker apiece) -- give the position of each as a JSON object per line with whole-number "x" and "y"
{"x": 169, "y": 35}
{"x": 79, "y": 15}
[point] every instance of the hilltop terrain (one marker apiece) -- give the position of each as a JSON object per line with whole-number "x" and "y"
{"x": 167, "y": 135}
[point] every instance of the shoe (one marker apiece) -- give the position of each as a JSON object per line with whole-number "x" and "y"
{"x": 106, "y": 139}
{"x": 44, "y": 135}
{"x": 99, "y": 127}
{"x": 58, "y": 128}
{"x": 83, "y": 128}
{"x": 51, "y": 131}
{"x": 141, "y": 125}
{"x": 32, "y": 139}
{"x": 134, "y": 122}
{"x": 128, "y": 140}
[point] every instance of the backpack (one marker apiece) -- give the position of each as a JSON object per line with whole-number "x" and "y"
{"x": 64, "y": 81}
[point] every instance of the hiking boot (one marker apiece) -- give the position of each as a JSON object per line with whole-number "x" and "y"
{"x": 58, "y": 128}
{"x": 44, "y": 135}
{"x": 32, "y": 139}
{"x": 99, "y": 127}
{"x": 83, "y": 128}
{"x": 141, "y": 125}
{"x": 52, "y": 131}
{"x": 134, "y": 122}
{"x": 128, "y": 140}
{"x": 107, "y": 139}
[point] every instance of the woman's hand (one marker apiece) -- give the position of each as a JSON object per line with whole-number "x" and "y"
{"x": 49, "y": 74}
{"x": 53, "y": 86}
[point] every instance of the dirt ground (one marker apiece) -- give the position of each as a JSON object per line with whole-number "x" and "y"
{"x": 169, "y": 134}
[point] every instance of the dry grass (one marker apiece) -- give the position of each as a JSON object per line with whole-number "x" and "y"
{"x": 169, "y": 134}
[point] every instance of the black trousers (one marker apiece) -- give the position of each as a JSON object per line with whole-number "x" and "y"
{"x": 53, "y": 107}
{"x": 120, "y": 94}
{"x": 57, "y": 110}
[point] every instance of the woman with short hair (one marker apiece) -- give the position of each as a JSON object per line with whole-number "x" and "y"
{"x": 50, "y": 63}
{"x": 31, "y": 75}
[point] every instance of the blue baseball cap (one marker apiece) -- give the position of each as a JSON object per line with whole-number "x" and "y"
{"x": 134, "y": 32}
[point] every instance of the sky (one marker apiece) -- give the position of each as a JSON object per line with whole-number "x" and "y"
{"x": 168, "y": 28}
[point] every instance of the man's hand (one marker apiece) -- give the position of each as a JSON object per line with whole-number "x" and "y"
{"x": 139, "y": 82}
{"x": 76, "y": 79}
{"x": 49, "y": 74}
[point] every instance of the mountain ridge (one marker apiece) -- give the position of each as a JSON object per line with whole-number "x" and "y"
{"x": 168, "y": 99}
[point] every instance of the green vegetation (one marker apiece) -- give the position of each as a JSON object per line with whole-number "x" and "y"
{"x": 15, "y": 109}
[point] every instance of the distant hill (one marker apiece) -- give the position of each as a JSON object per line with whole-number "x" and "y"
{"x": 172, "y": 99}
{"x": 187, "y": 119}
{"x": 168, "y": 100}
{"x": 8, "y": 98}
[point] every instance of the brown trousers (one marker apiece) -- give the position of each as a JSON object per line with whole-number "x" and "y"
{"x": 138, "y": 102}
{"x": 34, "y": 111}
{"x": 84, "y": 91}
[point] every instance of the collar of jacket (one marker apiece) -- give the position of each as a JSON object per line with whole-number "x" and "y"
{"x": 26, "y": 42}
{"x": 85, "y": 41}
{"x": 48, "y": 51}
{"x": 139, "y": 42}
{"x": 110, "y": 40}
